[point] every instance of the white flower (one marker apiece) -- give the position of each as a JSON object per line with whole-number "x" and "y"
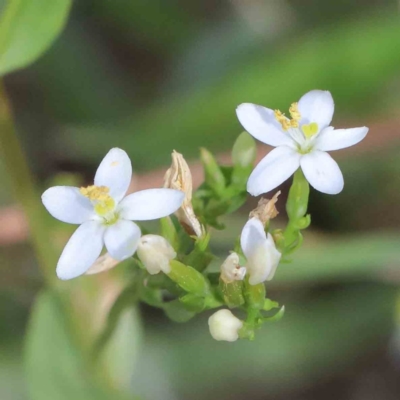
{"x": 105, "y": 215}
{"x": 301, "y": 141}
{"x": 231, "y": 270}
{"x": 260, "y": 251}
{"x": 155, "y": 252}
{"x": 224, "y": 326}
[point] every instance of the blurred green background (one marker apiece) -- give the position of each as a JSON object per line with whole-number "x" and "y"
{"x": 155, "y": 75}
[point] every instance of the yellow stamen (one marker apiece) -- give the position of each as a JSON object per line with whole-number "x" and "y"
{"x": 104, "y": 203}
{"x": 310, "y": 130}
{"x": 294, "y": 112}
{"x": 285, "y": 122}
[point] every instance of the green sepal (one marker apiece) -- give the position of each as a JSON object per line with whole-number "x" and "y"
{"x": 169, "y": 232}
{"x": 188, "y": 278}
{"x": 297, "y": 202}
{"x": 177, "y": 312}
{"x": 193, "y": 302}
{"x": 214, "y": 177}
{"x": 199, "y": 257}
{"x": 232, "y": 293}
{"x": 278, "y": 316}
{"x": 270, "y": 305}
{"x": 254, "y": 294}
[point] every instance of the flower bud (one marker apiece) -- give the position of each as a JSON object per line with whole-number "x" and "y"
{"x": 179, "y": 177}
{"x": 224, "y": 326}
{"x": 231, "y": 270}
{"x": 103, "y": 263}
{"x": 155, "y": 253}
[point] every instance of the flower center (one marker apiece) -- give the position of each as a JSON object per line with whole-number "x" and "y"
{"x": 103, "y": 203}
{"x": 304, "y": 135}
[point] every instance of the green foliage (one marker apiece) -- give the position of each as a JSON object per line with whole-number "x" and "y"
{"x": 56, "y": 369}
{"x": 25, "y": 35}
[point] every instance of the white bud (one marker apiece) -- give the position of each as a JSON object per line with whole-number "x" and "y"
{"x": 260, "y": 251}
{"x": 264, "y": 260}
{"x": 224, "y": 326}
{"x": 155, "y": 253}
{"x": 231, "y": 270}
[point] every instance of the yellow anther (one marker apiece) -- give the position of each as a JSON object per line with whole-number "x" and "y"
{"x": 280, "y": 117}
{"x": 104, "y": 203}
{"x": 285, "y": 122}
{"x": 310, "y": 130}
{"x": 294, "y": 112}
{"x": 99, "y": 193}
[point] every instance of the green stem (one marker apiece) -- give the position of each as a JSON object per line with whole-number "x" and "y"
{"x": 296, "y": 208}
{"x": 23, "y": 188}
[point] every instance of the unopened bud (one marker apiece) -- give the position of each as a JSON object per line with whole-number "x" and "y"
{"x": 231, "y": 270}
{"x": 224, "y": 326}
{"x": 179, "y": 177}
{"x": 103, "y": 263}
{"x": 155, "y": 253}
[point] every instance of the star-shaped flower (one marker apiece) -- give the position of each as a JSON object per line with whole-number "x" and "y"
{"x": 105, "y": 214}
{"x": 301, "y": 141}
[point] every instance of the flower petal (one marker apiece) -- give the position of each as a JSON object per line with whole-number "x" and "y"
{"x": 260, "y": 122}
{"x": 275, "y": 168}
{"x": 122, "y": 239}
{"x": 317, "y": 106}
{"x": 150, "y": 204}
{"x": 260, "y": 251}
{"x": 253, "y": 235}
{"x": 322, "y": 172}
{"x": 115, "y": 172}
{"x": 81, "y": 251}
{"x": 67, "y": 204}
{"x": 329, "y": 140}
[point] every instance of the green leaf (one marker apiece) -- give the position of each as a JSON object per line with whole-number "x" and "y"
{"x": 27, "y": 30}
{"x": 244, "y": 150}
{"x": 55, "y": 369}
{"x": 177, "y": 312}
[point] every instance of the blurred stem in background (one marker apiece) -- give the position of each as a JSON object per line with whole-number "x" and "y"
{"x": 23, "y": 187}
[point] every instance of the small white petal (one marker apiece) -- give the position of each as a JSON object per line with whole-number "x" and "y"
{"x": 329, "y": 140}
{"x": 150, "y": 204}
{"x": 316, "y": 106}
{"x": 231, "y": 269}
{"x": 122, "y": 239}
{"x": 322, "y": 172}
{"x": 81, "y": 251}
{"x": 275, "y": 168}
{"x": 115, "y": 172}
{"x": 260, "y": 122}
{"x": 224, "y": 326}
{"x": 67, "y": 204}
{"x": 155, "y": 252}
{"x": 259, "y": 248}
{"x": 263, "y": 262}
{"x": 253, "y": 236}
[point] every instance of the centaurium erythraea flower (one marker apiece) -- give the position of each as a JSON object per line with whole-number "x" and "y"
{"x": 105, "y": 214}
{"x": 301, "y": 141}
{"x": 260, "y": 251}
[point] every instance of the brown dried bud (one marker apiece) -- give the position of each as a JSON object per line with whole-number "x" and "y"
{"x": 179, "y": 177}
{"x": 265, "y": 209}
